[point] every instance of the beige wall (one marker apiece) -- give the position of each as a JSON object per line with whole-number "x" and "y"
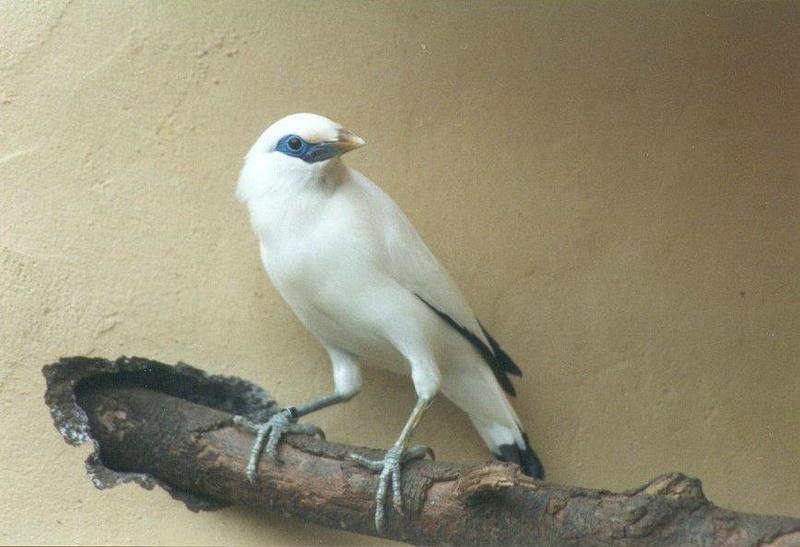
{"x": 616, "y": 187}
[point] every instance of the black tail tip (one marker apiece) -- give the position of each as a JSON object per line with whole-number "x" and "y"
{"x": 526, "y": 458}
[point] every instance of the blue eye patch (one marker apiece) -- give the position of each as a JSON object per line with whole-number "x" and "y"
{"x": 297, "y": 147}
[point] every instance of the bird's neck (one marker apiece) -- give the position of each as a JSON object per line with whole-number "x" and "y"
{"x": 292, "y": 205}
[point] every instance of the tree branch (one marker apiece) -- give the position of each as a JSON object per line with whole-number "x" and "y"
{"x": 157, "y": 424}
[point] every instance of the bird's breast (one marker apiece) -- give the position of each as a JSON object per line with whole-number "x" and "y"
{"x": 327, "y": 261}
{"x": 335, "y": 292}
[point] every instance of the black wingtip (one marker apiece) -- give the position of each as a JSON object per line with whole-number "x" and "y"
{"x": 526, "y": 458}
{"x": 504, "y": 360}
{"x": 505, "y": 383}
{"x": 497, "y": 359}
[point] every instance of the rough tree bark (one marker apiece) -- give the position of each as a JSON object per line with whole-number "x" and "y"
{"x": 157, "y": 424}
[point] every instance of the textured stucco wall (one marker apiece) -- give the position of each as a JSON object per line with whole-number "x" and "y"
{"x": 616, "y": 187}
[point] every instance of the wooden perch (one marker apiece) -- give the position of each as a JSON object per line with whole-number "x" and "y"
{"x": 158, "y": 424}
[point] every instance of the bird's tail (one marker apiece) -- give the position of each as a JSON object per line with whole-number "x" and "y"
{"x": 510, "y": 444}
{"x": 524, "y": 456}
{"x": 475, "y": 388}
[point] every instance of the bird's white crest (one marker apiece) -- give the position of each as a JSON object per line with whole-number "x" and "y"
{"x": 311, "y": 127}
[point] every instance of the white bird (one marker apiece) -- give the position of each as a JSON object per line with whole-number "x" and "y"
{"x": 359, "y": 277}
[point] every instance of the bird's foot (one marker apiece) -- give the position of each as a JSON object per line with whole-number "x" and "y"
{"x": 389, "y": 468}
{"x": 268, "y": 435}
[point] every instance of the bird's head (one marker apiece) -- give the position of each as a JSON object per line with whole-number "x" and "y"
{"x": 295, "y": 150}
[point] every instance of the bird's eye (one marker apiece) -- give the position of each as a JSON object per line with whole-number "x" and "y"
{"x": 294, "y": 143}
{"x": 293, "y": 146}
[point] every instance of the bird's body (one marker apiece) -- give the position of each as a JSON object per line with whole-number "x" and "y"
{"x": 359, "y": 277}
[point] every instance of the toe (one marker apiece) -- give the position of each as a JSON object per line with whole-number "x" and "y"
{"x": 252, "y": 470}
{"x": 251, "y": 476}
{"x": 308, "y": 429}
{"x": 244, "y": 423}
{"x": 383, "y": 485}
{"x": 397, "y": 496}
{"x": 271, "y": 449}
{"x": 380, "y": 499}
{"x": 418, "y": 452}
{"x": 372, "y": 465}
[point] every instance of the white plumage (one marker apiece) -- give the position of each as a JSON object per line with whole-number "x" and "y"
{"x": 359, "y": 277}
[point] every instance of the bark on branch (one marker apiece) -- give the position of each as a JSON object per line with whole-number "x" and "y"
{"x": 158, "y": 424}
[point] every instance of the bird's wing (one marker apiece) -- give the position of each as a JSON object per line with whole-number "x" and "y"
{"x": 413, "y": 265}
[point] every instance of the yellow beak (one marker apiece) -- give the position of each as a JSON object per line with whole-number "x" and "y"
{"x": 347, "y": 141}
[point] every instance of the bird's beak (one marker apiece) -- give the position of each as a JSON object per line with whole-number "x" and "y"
{"x": 346, "y": 141}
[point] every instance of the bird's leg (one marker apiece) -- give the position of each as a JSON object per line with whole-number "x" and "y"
{"x": 396, "y": 456}
{"x": 269, "y": 433}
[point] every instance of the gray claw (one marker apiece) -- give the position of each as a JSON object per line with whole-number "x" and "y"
{"x": 389, "y": 468}
{"x": 269, "y": 434}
